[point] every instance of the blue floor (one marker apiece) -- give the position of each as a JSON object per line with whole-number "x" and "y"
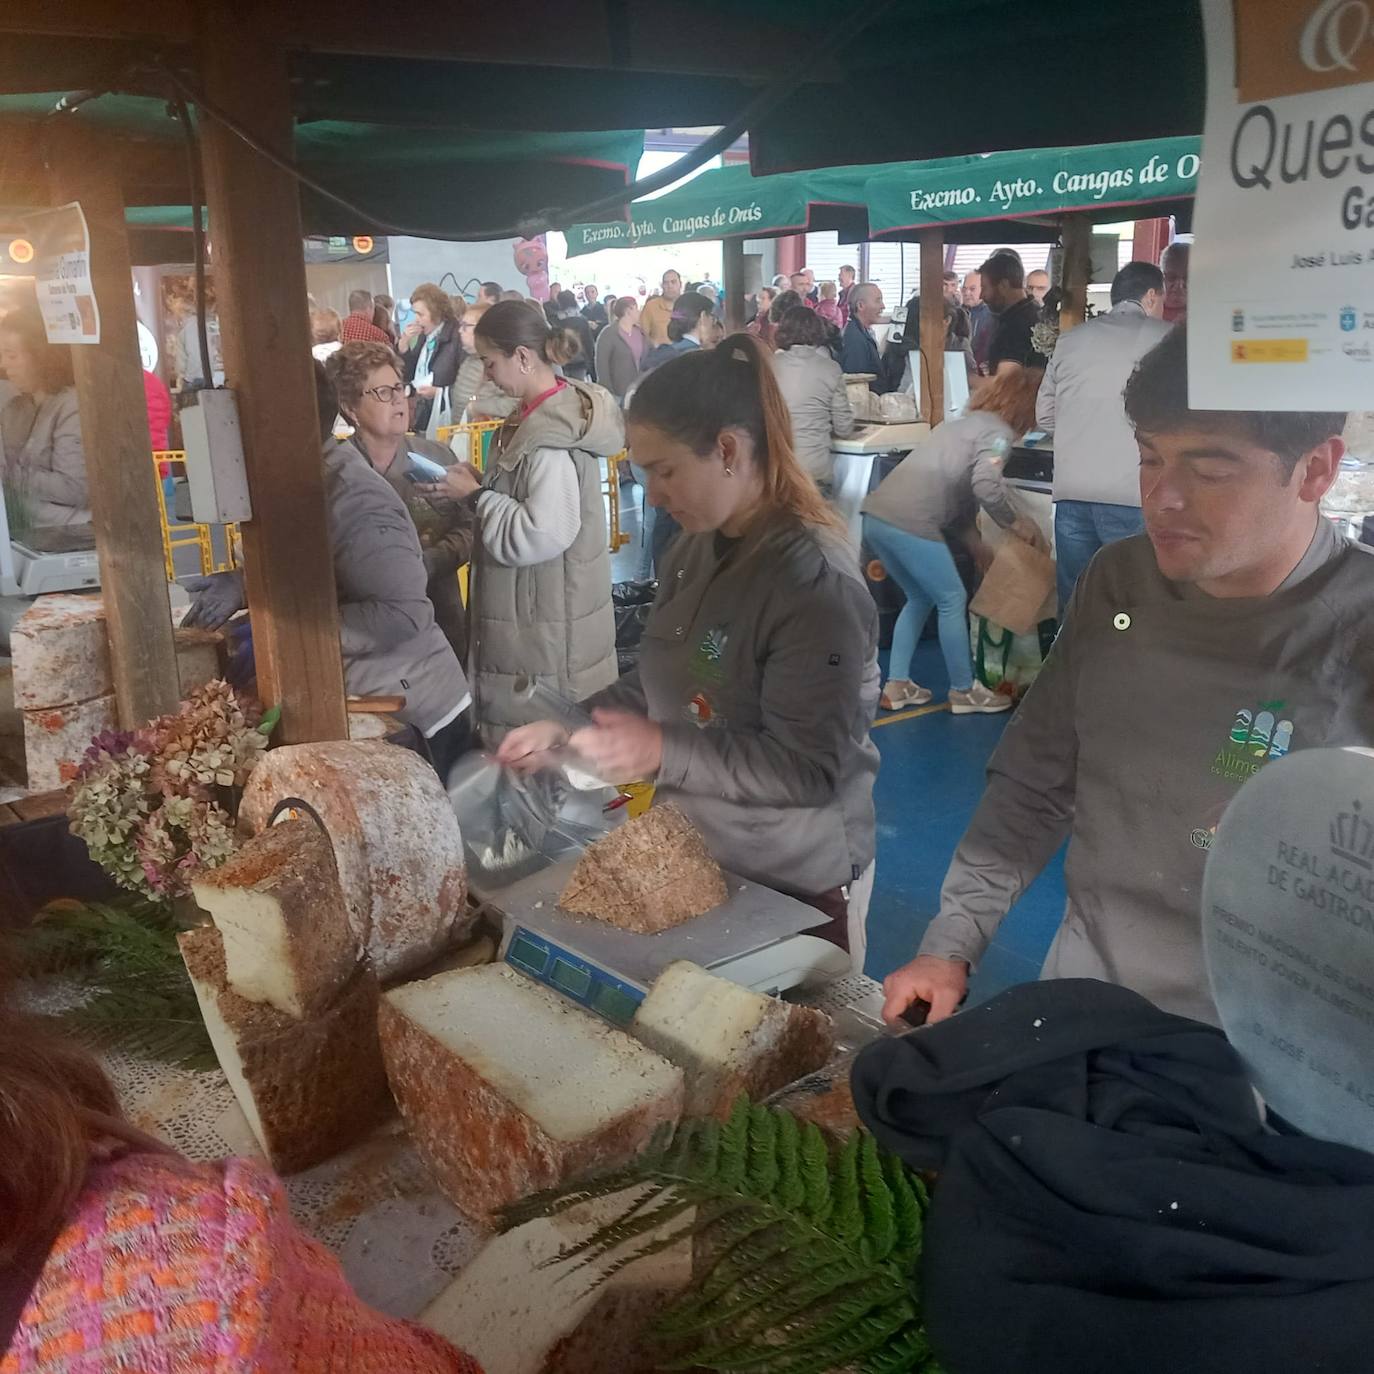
{"x": 929, "y": 783}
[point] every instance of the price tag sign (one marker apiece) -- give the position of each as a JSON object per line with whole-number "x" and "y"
{"x": 62, "y": 275}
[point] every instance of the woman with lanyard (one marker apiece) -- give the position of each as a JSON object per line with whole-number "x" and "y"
{"x": 432, "y": 362}
{"x": 540, "y": 602}
{"x": 758, "y": 671}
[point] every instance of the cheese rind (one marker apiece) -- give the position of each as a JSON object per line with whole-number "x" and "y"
{"x": 508, "y": 1089}
{"x": 647, "y": 875}
{"x": 61, "y": 652}
{"x": 280, "y": 910}
{"x": 56, "y": 737}
{"x": 728, "y": 1039}
{"x": 395, "y": 838}
{"x": 308, "y": 1088}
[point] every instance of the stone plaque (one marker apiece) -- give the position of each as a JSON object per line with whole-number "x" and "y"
{"x": 1288, "y": 929}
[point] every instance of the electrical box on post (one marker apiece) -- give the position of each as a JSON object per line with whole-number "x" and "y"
{"x": 215, "y": 470}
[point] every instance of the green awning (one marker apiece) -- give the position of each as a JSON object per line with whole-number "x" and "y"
{"x": 1102, "y": 181}
{"x": 727, "y": 202}
{"x": 439, "y": 179}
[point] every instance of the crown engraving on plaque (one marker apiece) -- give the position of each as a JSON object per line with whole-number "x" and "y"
{"x": 1352, "y": 837}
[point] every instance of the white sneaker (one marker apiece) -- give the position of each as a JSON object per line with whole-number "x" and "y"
{"x": 897, "y": 696}
{"x": 978, "y": 700}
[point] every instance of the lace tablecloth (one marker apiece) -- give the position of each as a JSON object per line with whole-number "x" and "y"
{"x": 400, "y": 1241}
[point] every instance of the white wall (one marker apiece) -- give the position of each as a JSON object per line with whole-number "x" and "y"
{"x": 418, "y": 260}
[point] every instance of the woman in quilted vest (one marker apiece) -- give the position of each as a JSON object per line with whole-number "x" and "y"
{"x": 116, "y": 1253}
{"x": 540, "y": 588}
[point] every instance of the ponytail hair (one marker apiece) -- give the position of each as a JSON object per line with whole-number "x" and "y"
{"x": 702, "y": 392}
{"x": 687, "y": 312}
{"x": 509, "y": 325}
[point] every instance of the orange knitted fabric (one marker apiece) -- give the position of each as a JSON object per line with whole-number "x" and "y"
{"x": 169, "y": 1267}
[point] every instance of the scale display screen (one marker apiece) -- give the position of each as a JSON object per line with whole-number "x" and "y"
{"x": 577, "y": 982}
{"x": 578, "y": 979}
{"x": 614, "y": 1003}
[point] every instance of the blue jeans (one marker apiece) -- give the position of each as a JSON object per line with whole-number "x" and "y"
{"x": 924, "y": 569}
{"x": 1080, "y": 529}
{"x": 657, "y": 532}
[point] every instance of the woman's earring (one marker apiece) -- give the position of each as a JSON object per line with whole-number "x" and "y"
{"x": 729, "y": 471}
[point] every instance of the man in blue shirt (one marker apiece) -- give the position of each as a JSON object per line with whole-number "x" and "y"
{"x": 859, "y": 344}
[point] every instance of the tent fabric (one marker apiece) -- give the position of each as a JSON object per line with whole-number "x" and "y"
{"x": 729, "y": 202}
{"x": 443, "y": 179}
{"x": 1101, "y": 180}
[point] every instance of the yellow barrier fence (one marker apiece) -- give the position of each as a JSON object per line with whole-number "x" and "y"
{"x": 182, "y": 534}
{"x": 478, "y": 433}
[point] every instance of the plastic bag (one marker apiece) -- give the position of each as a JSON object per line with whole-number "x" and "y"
{"x": 898, "y": 407}
{"x": 1004, "y": 661}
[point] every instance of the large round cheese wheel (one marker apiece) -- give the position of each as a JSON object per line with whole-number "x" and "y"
{"x": 56, "y": 737}
{"x": 396, "y": 841}
{"x": 61, "y": 652}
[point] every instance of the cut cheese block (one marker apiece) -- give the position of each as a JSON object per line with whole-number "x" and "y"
{"x": 61, "y": 652}
{"x": 198, "y": 658}
{"x": 56, "y": 737}
{"x": 651, "y": 873}
{"x": 509, "y": 1089}
{"x": 308, "y": 1088}
{"x": 396, "y": 842}
{"x": 516, "y": 1312}
{"x": 729, "y": 1040}
{"x": 280, "y": 910}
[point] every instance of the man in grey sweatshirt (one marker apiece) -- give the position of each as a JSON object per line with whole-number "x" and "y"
{"x": 1239, "y": 627}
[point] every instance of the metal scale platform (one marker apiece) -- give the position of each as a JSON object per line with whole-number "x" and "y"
{"x": 754, "y": 939}
{"x": 60, "y": 559}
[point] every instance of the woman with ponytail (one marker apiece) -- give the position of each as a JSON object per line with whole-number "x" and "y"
{"x": 758, "y": 671}
{"x": 540, "y": 589}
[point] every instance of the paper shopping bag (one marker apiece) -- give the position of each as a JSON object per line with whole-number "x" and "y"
{"x": 1015, "y": 587}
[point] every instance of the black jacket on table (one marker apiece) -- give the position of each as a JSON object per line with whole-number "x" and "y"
{"x": 1109, "y": 1198}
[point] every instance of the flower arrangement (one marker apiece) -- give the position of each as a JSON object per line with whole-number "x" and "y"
{"x": 156, "y": 805}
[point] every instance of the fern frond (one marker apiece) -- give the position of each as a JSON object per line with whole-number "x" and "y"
{"x": 806, "y": 1261}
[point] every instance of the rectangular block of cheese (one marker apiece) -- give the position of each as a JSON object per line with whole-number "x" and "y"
{"x": 652, "y": 873}
{"x": 280, "y": 910}
{"x": 509, "y": 1089}
{"x": 308, "y": 1088}
{"x": 727, "y": 1039}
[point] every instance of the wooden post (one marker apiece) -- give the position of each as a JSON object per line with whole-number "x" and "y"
{"x": 733, "y": 272}
{"x": 259, "y": 268}
{"x": 1076, "y": 234}
{"x": 114, "y": 433}
{"x": 932, "y": 358}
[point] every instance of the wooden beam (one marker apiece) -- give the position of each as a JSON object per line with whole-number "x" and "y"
{"x": 933, "y": 331}
{"x": 265, "y": 330}
{"x": 733, "y": 272}
{"x": 1076, "y": 234}
{"x": 114, "y": 433}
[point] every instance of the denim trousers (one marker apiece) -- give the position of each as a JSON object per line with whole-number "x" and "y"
{"x": 924, "y": 569}
{"x": 1081, "y": 528}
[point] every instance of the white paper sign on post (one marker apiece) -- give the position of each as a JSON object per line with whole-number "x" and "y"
{"x": 62, "y": 275}
{"x": 1281, "y": 283}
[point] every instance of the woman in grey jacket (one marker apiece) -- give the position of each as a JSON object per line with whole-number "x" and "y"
{"x": 758, "y": 673}
{"x": 40, "y": 428}
{"x": 620, "y": 348}
{"x": 813, "y": 387}
{"x": 931, "y": 497}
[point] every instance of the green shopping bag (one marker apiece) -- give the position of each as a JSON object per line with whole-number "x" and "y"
{"x": 1006, "y": 662}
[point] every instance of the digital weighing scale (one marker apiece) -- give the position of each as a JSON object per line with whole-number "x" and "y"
{"x": 754, "y": 939}
{"x": 58, "y": 559}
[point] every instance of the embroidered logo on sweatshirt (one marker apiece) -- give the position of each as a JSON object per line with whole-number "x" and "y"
{"x": 1256, "y": 738}
{"x": 708, "y": 659}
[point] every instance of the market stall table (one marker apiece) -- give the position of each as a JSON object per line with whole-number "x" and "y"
{"x": 854, "y": 458}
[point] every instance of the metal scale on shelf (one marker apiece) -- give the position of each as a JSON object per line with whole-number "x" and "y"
{"x": 56, "y": 559}
{"x": 755, "y": 939}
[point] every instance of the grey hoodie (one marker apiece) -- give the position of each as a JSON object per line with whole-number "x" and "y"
{"x": 1155, "y": 705}
{"x": 390, "y": 642}
{"x": 552, "y": 620}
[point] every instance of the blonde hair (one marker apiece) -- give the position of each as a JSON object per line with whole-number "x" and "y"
{"x": 732, "y": 386}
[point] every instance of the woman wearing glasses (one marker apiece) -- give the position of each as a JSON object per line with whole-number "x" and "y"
{"x": 389, "y": 639}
